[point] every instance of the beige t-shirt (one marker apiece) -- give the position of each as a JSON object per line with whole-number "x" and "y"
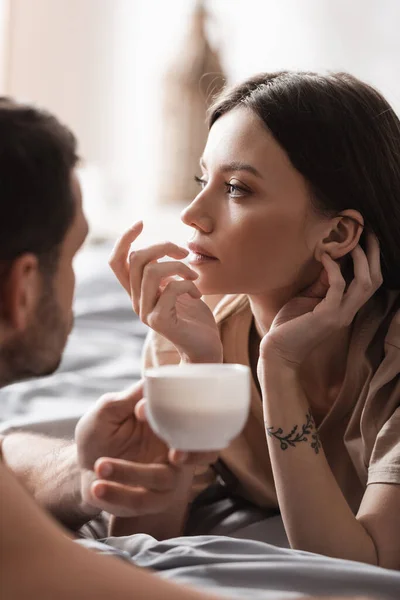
{"x": 360, "y": 434}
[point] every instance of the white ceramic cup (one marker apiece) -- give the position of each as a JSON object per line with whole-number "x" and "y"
{"x": 199, "y": 407}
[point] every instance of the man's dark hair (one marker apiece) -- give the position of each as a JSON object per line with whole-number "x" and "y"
{"x": 37, "y": 156}
{"x": 343, "y": 137}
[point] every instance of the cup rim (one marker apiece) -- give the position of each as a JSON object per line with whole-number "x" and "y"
{"x": 195, "y": 369}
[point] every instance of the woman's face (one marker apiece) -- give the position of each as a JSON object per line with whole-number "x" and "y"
{"x": 253, "y": 214}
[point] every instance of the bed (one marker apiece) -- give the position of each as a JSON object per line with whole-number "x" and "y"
{"x": 237, "y": 550}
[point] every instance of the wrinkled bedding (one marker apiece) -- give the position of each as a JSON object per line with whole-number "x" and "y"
{"x": 242, "y": 568}
{"x": 246, "y": 553}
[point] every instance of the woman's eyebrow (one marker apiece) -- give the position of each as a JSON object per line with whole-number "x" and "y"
{"x": 235, "y": 166}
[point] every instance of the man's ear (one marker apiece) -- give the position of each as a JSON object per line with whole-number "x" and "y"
{"x": 341, "y": 235}
{"x": 21, "y": 291}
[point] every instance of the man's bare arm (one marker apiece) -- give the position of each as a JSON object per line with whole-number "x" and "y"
{"x": 48, "y": 469}
{"x": 38, "y": 560}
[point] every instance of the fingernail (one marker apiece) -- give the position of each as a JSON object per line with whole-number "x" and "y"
{"x": 105, "y": 470}
{"x": 99, "y": 490}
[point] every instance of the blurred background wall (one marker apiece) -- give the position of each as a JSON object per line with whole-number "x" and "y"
{"x": 101, "y": 66}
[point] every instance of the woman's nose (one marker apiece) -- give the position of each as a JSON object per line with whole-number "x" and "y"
{"x": 195, "y": 216}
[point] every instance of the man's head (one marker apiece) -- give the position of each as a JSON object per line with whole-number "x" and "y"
{"x": 41, "y": 228}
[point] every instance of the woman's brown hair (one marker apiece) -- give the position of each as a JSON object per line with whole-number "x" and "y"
{"x": 343, "y": 137}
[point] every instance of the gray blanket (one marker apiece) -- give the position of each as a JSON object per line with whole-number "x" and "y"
{"x": 240, "y": 568}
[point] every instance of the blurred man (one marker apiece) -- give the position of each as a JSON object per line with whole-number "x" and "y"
{"x": 42, "y": 227}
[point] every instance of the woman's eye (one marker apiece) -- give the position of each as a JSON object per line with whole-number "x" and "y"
{"x": 201, "y": 182}
{"x": 234, "y": 191}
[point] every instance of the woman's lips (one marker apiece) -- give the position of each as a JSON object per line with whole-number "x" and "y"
{"x": 196, "y": 259}
{"x": 198, "y": 254}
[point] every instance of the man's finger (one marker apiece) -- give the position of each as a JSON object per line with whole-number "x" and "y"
{"x": 134, "y": 391}
{"x": 121, "y": 404}
{"x": 125, "y": 501}
{"x": 177, "y": 457}
{"x": 140, "y": 410}
{"x": 155, "y": 477}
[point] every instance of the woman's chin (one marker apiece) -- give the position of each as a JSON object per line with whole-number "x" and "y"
{"x": 214, "y": 286}
{"x": 208, "y": 288}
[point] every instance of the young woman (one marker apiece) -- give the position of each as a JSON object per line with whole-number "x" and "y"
{"x": 297, "y": 224}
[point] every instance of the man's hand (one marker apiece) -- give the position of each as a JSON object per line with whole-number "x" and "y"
{"x": 126, "y": 469}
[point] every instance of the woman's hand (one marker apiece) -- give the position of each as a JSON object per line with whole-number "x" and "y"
{"x": 323, "y": 308}
{"x": 170, "y": 306}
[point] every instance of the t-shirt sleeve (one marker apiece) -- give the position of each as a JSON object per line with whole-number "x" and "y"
{"x": 385, "y": 459}
{"x": 384, "y": 464}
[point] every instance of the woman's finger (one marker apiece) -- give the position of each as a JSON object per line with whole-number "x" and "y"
{"x": 155, "y": 477}
{"x": 374, "y": 260}
{"x": 153, "y": 274}
{"x": 360, "y": 289}
{"x": 337, "y": 284}
{"x": 167, "y": 301}
{"x": 318, "y": 288}
{"x": 362, "y": 274}
{"x": 118, "y": 260}
{"x": 138, "y": 259}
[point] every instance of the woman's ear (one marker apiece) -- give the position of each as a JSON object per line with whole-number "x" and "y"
{"x": 341, "y": 236}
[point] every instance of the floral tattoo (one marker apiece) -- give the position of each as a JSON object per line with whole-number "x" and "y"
{"x": 307, "y": 432}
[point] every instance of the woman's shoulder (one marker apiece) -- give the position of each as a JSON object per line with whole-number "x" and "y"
{"x": 231, "y": 305}
{"x": 158, "y": 351}
{"x": 378, "y": 322}
{"x": 377, "y": 356}
{"x": 374, "y": 371}
{"x": 393, "y": 332}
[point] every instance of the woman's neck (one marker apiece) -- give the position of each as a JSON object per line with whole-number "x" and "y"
{"x": 265, "y": 309}
{"x": 324, "y": 368}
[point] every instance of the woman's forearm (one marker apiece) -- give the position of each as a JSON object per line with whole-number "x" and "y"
{"x": 316, "y": 515}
